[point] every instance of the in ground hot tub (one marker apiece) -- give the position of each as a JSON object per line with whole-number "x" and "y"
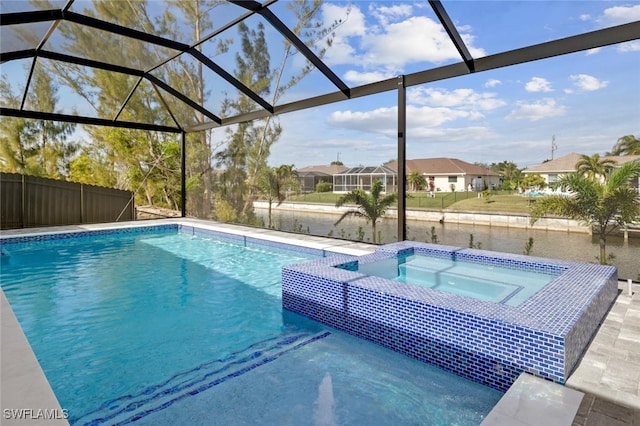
{"x": 485, "y": 281}
{"x": 484, "y": 315}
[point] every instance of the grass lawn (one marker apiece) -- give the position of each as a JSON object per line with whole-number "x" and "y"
{"x": 464, "y": 201}
{"x": 495, "y": 203}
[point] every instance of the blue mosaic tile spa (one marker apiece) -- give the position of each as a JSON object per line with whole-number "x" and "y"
{"x": 490, "y": 338}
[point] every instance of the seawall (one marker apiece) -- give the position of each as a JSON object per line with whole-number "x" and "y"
{"x": 508, "y": 220}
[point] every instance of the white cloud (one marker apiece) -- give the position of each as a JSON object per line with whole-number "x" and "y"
{"x": 386, "y": 14}
{"x": 432, "y": 117}
{"x": 535, "y": 111}
{"x": 620, "y": 15}
{"x": 585, "y": 17}
{"x": 381, "y": 120}
{"x": 462, "y": 98}
{"x": 587, "y": 82}
{"x": 492, "y": 83}
{"x": 593, "y": 51}
{"x": 352, "y": 25}
{"x": 452, "y": 134}
{"x": 630, "y": 46}
{"x": 384, "y": 120}
{"x": 388, "y": 38}
{"x": 538, "y": 84}
{"x": 352, "y": 19}
{"x": 423, "y": 123}
{"x": 417, "y": 39}
{"x": 360, "y": 78}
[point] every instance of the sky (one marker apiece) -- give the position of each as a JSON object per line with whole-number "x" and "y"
{"x": 528, "y": 113}
{"x": 581, "y": 102}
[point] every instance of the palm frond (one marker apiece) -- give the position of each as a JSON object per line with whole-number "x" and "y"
{"x": 356, "y": 196}
{"x": 623, "y": 175}
{"x": 351, "y": 213}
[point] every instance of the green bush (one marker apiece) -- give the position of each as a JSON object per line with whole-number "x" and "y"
{"x": 224, "y": 211}
{"x": 324, "y": 187}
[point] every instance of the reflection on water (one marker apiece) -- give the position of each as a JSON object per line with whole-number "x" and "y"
{"x": 560, "y": 245}
{"x": 325, "y": 413}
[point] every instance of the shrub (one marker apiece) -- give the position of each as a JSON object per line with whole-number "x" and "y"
{"x": 324, "y": 187}
{"x": 224, "y": 211}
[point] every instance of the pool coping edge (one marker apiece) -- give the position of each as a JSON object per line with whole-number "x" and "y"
{"x": 22, "y": 374}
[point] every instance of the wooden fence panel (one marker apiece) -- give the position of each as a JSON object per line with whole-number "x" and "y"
{"x": 29, "y": 201}
{"x": 11, "y": 201}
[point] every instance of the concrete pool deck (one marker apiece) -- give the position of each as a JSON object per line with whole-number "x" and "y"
{"x": 608, "y": 373}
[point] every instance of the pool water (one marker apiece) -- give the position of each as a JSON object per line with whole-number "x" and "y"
{"x": 482, "y": 281}
{"x": 170, "y": 328}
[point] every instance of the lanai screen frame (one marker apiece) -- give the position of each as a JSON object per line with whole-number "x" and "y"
{"x": 377, "y": 173}
{"x": 467, "y": 65}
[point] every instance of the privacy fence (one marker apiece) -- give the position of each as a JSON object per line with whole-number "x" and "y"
{"x": 29, "y": 201}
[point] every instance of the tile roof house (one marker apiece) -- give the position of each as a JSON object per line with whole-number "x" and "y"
{"x": 551, "y": 170}
{"x": 310, "y": 176}
{"x": 451, "y": 174}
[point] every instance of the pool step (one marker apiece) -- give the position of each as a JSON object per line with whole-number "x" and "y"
{"x": 418, "y": 274}
{"x": 482, "y": 271}
{"x": 129, "y": 408}
{"x": 441, "y": 279}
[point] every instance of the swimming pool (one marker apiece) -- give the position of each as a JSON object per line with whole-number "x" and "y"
{"x": 494, "y": 283}
{"x": 183, "y": 325}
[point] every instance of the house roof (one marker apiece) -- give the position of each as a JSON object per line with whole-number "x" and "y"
{"x": 313, "y": 174}
{"x": 567, "y": 163}
{"x": 327, "y": 170}
{"x": 443, "y": 166}
{"x": 624, "y": 159}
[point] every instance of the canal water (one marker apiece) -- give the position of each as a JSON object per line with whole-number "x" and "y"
{"x": 554, "y": 244}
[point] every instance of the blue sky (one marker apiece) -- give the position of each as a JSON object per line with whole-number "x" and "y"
{"x": 585, "y": 100}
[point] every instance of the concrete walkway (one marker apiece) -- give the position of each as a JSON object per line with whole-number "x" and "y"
{"x": 609, "y": 372}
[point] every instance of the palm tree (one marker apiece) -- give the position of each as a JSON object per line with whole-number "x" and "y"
{"x": 288, "y": 178}
{"x": 416, "y": 180}
{"x": 273, "y": 183}
{"x": 605, "y": 204}
{"x": 510, "y": 174}
{"x": 534, "y": 181}
{"x": 594, "y": 166}
{"x": 371, "y": 206}
{"x": 267, "y": 185}
{"x": 626, "y": 145}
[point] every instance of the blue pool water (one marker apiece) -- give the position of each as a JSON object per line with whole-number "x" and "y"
{"x": 481, "y": 281}
{"x": 170, "y": 328}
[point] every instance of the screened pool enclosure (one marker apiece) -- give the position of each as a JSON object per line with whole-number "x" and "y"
{"x": 363, "y": 177}
{"x": 197, "y": 88}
